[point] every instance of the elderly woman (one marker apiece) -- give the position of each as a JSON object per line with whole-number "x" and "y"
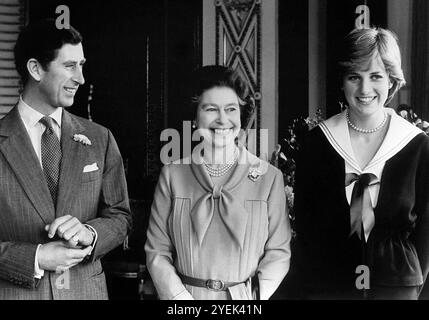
{"x": 219, "y": 228}
{"x": 362, "y": 193}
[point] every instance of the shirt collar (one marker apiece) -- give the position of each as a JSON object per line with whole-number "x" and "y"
{"x": 31, "y": 116}
{"x": 399, "y": 133}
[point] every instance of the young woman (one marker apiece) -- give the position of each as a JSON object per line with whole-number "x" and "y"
{"x": 362, "y": 202}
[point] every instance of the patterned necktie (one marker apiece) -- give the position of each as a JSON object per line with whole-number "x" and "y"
{"x": 51, "y": 157}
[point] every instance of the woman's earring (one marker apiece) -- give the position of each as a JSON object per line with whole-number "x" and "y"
{"x": 343, "y": 106}
{"x": 194, "y": 126}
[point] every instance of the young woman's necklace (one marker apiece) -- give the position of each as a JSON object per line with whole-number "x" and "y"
{"x": 356, "y": 128}
{"x": 223, "y": 168}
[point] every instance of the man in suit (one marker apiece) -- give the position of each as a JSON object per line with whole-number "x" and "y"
{"x": 63, "y": 194}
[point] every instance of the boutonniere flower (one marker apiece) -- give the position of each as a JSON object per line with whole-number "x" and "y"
{"x": 254, "y": 174}
{"x": 82, "y": 139}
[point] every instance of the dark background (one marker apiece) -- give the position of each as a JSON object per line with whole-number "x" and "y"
{"x": 138, "y": 54}
{"x": 293, "y": 63}
{"x": 341, "y": 18}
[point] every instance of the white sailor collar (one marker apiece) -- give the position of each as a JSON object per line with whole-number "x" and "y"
{"x": 399, "y": 134}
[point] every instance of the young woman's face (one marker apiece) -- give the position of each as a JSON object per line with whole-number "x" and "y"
{"x": 219, "y": 113}
{"x": 366, "y": 90}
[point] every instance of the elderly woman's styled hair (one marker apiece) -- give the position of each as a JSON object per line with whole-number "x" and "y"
{"x": 209, "y": 77}
{"x": 362, "y": 45}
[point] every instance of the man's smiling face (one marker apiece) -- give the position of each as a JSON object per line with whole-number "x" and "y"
{"x": 62, "y": 77}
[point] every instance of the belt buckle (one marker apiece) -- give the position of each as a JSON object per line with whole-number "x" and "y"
{"x": 216, "y": 285}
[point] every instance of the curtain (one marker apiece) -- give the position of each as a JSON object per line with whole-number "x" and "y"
{"x": 420, "y": 59}
{"x": 12, "y": 16}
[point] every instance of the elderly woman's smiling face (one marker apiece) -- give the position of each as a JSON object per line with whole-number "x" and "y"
{"x": 219, "y": 114}
{"x": 366, "y": 89}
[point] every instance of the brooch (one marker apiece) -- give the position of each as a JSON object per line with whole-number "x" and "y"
{"x": 82, "y": 139}
{"x": 254, "y": 174}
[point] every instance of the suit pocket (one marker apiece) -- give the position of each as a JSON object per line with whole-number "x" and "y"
{"x": 91, "y": 176}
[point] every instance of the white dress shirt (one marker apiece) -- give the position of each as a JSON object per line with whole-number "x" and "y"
{"x": 31, "y": 117}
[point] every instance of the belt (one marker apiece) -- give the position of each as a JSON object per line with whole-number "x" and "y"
{"x": 216, "y": 285}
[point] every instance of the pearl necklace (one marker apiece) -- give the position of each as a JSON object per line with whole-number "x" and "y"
{"x": 222, "y": 169}
{"x": 354, "y": 127}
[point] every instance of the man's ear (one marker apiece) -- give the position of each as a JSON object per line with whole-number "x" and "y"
{"x": 35, "y": 69}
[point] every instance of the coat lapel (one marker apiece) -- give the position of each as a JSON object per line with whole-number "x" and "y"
{"x": 15, "y": 144}
{"x": 72, "y": 163}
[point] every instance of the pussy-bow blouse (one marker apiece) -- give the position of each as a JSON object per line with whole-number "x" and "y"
{"x": 228, "y": 232}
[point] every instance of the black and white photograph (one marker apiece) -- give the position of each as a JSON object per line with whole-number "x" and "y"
{"x": 251, "y": 150}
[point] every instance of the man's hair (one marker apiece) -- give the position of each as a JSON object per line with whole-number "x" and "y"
{"x": 41, "y": 40}
{"x": 209, "y": 77}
